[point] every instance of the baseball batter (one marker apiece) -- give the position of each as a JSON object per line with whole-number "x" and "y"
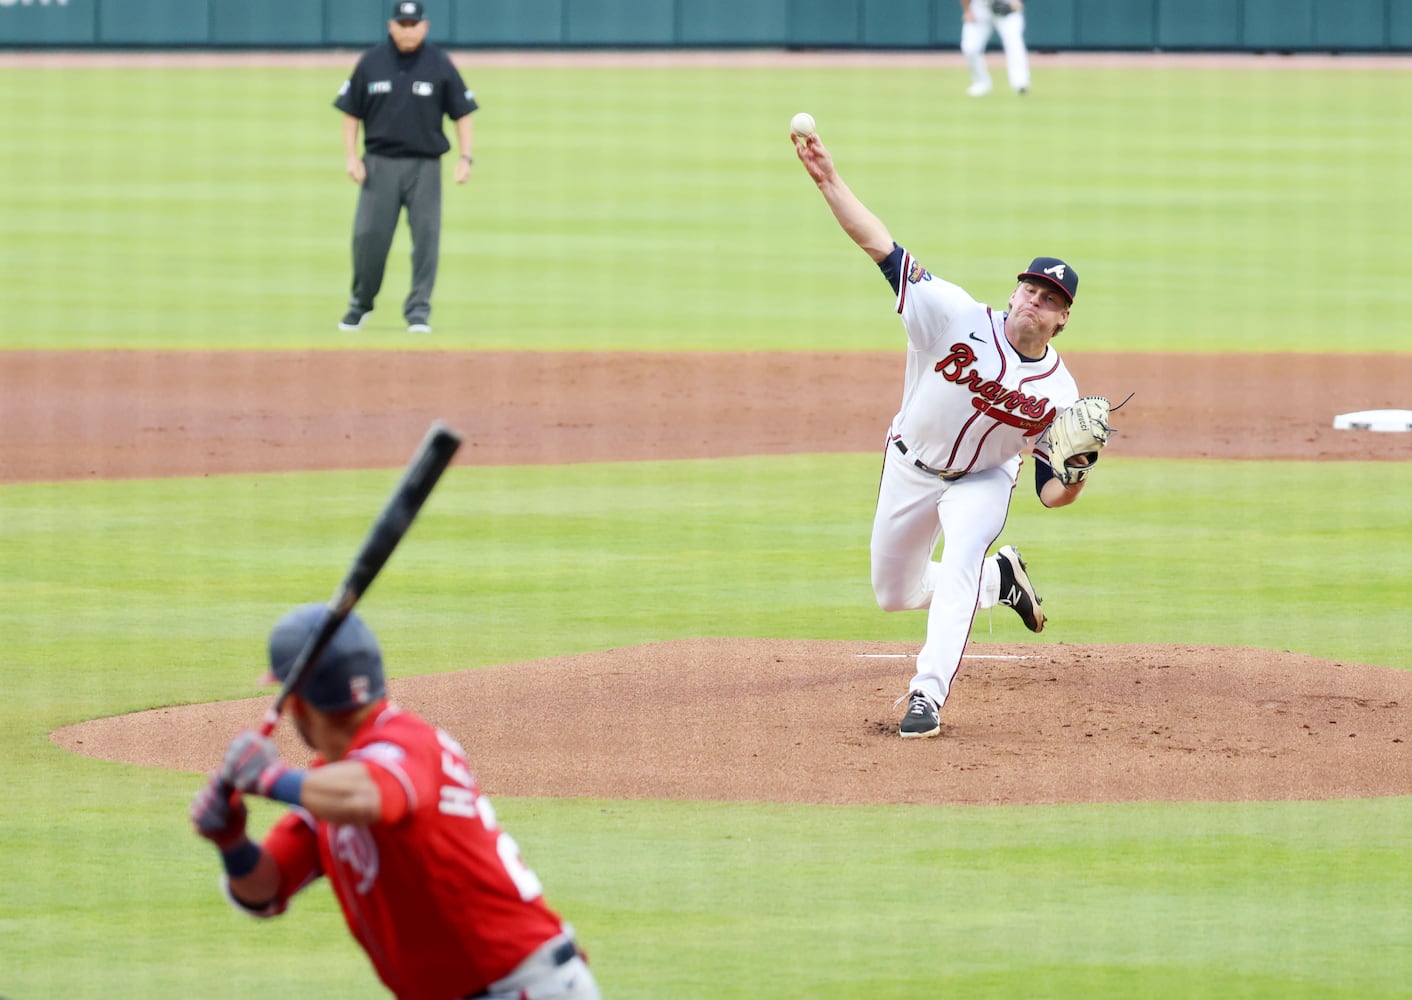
{"x": 981, "y": 18}
{"x": 981, "y": 385}
{"x": 429, "y": 884}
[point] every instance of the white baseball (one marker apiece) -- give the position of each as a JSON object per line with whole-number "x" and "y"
{"x": 802, "y": 124}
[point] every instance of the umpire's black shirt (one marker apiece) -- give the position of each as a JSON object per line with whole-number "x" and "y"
{"x": 401, "y": 96}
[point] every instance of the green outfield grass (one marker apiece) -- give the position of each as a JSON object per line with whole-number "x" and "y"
{"x": 664, "y": 209}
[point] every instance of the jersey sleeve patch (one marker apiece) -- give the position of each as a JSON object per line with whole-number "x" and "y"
{"x": 382, "y": 752}
{"x": 916, "y": 272}
{"x": 390, "y": 772}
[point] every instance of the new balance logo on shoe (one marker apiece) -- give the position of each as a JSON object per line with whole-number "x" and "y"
{"x": 1016, "y": 590}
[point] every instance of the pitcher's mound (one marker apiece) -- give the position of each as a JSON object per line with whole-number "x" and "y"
{"x": 799, "y": 721}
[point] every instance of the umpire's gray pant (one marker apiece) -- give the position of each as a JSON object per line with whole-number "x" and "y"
{"x": 391, "y": 183}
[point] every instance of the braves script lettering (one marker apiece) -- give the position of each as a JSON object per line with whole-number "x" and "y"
{"x": 1009, "y": 406}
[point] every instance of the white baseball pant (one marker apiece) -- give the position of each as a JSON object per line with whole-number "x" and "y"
{"x": 915, "y": 511}
{"x": 975, "y": 35}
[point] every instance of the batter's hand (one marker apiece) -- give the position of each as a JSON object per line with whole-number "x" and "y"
{"x": 218, "y": 813}
{"x": 815, "y": 157}
{"x": 357, "y": 170}
{"x": 252, "y": 763}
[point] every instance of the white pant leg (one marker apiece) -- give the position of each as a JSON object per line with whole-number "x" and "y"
{"x": 906, "y": 528}
{"x": 975, "y": 35}
{"x": 913, "y": 511}
{"x": 973, "y": 512}
{"x": 1011, "y": 29}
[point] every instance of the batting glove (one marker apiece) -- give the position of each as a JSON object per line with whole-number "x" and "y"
{"x": 252, "y": 764}
{"x": 218, "y": 813}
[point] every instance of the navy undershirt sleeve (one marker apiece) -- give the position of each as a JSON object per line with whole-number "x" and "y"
{"x": 1042, "y": 474}
{"x": 891, "y": 267}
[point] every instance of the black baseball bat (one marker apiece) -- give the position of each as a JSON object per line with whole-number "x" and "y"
{"x": 430, "y": 461}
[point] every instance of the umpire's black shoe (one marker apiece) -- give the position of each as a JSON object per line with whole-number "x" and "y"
{"x": 1016, "y": 590}
{"x": 923, "y": 718}
{"x": 353, "y": 319}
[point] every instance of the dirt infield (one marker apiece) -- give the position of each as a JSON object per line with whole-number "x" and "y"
{"x": 94, "y": 415}
{"x": 708, "y": 719}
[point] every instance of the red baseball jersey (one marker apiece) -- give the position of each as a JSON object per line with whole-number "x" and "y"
{"x": 435, "y": 891}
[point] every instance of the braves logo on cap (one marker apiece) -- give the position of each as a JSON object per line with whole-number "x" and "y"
{"x": 1055, "y": 272}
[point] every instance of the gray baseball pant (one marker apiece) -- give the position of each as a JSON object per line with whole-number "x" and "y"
{"x": 393, "y": 182}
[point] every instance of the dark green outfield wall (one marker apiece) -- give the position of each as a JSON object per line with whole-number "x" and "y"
{"x": 1262, "y": 25}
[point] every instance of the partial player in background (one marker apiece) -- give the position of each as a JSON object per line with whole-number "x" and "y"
{"x": 429, "y": 884}
{"x": 397, "y": 94}
{"x": 1007, "y": 18}
{"x": 981, "y": 386}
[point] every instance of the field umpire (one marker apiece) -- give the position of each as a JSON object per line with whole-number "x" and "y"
{"x": 398, "y": 92}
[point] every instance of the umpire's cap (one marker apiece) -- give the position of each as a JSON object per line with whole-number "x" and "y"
{"x": 1055, "y": 272}
{"x": 347, "y": 674}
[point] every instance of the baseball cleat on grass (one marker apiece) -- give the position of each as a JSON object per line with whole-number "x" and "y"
{"x": 353, "y": 319}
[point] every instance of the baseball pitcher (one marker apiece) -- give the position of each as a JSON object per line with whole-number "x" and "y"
{"x": 981, "y": 386}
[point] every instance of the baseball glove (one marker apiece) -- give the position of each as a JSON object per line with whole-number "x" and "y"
{"x": 1075, "y": 437}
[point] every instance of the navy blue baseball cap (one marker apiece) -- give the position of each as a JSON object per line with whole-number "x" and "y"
{"x": 408, "y": 10}
{"x": 347, "y": 674}
{"x": 1054, "y": 271}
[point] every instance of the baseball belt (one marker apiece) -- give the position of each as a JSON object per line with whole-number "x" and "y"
{"x": 946, "y": 474}
{"x": 564, "y": 953}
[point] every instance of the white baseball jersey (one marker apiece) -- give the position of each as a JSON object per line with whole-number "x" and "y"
{"x": 970, "y": 401}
